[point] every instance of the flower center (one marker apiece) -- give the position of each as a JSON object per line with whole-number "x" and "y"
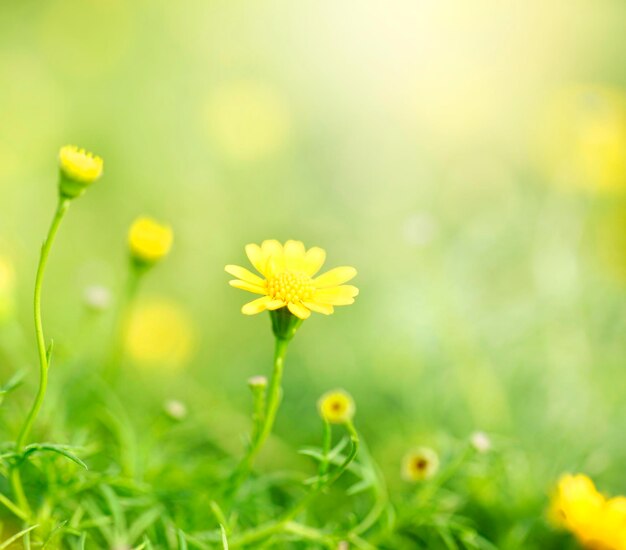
{"x": 290, "y": 286}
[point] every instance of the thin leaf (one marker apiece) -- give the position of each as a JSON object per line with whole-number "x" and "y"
{"x": 182, "y": 541}
{"x": 50, "y": 447}
{"x": 142, "y": 523}
{"x": 17, "y": 536}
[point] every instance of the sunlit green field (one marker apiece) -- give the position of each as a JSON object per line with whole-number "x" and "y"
{"x": 468, "y": 159}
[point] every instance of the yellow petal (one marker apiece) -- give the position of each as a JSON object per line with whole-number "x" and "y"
{"x": 243, "y": 274}
{"x": 326, "y": 309}
{"x": 275, "y": 304}
{"x": 274, "y": 257}
{"x": 255, "y": 255}
{"x": 299, "y": 310}
{"x": 271, "y": 247}
{"x": 256, "y": 306}
{"x": 294, "y": 254}
{"x": 335, "y": 277}
{"x": 245, "y": 285}
{"x": 337, "y": 296}
{"x": 313, "y": 260}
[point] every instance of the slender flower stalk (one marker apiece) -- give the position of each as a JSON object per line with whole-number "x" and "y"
{"x": 44, "y": 354}
{"x": 264, "y": 429}
{"x": 78, "y": 170}
{"x": 44, "y": 358}
{"x": 282, "y": 524}
{"x": 112, "y": 367}
{"x": 148, "y": 242}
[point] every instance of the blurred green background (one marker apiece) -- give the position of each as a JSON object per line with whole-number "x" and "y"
{"x": 469, "y": 158}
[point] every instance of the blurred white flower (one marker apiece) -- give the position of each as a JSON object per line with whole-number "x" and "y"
{"x": 175, "y": 409}
{"x": 481, "y": 442}
{"x": 419, "y": 229}
{"x": 97, "y": 297}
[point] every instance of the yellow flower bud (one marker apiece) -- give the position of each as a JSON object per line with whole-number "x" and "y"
{"x": 149, "y": 241}
{"x": 79, "y": 169}
{"x": 336, "y": 407}
{"x": 420, "y": 464}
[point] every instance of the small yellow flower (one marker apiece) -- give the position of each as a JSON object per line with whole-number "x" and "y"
{"x": 597, "y": 522}
{"x": 288, "y": 280}
{"x": 79, "y": 169}
{"x": 149, "y": 241}
{"x": 420, "y": 464}
{"x": 160, "y": 334}
{"x": 336, "y": 407}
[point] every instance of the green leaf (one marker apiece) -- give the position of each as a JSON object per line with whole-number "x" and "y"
{"x": 224, "y": 538}
{"x": 50, "y": 447}
{"x": 49, "y": 352}
{"x": 14, "y": 382}
{"x": 359, "y": 487}
{"x": 182, "y": 541}
{"x": 142, "y": 523}
{"x": 17, "y": 536}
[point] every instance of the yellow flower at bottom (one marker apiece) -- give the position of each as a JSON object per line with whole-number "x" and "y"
{"x": 288, "y": 280}
{"x": 336, "y": 407}
{"x": 160, "y": 333}
{"x": 598, "y": 523}
{"x": 149, "y": 241}
{"x": 79, "y": 169}
{"x": 420, "y": 464}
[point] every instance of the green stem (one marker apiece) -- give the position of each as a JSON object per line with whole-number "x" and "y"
{"x": 114, "y": 363}
{"x": 273, "y": 398}
{"x": 330, "y": 480}
{"x": 62, "y": 207}
{"x": 326, "y": 444}
{"x": 41, "y": 341}
{"x": 284, "y": 521}
{"x": 13, "y": 507}
{"x": 265, "y": 429}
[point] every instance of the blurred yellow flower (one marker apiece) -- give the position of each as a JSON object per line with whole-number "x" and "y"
{"x": 597, "y": 522}
{"x": 79, "y": 169}
{"x": 247, "y": 120}
{"x": 584, "y": 138}
{"x": 7, "y": 286}
{"x": 420, "y": 464}
{"x": 336, "y": 407}
{"x": 160, "y": 333}
{"x": 149, "y": 241}
{"x": 288, "y": 280}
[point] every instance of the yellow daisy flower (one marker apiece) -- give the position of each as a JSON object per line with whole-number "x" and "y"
{"x": 336, "y": 407}
{"x": 288, "y": 280}
{"x": 79, "y": 169}
{"x": 149, "y": 241}
{"x": 420, "y": 464}
{"x": 597, "y": 522}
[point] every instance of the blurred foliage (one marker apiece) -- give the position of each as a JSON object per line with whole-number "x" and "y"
{"x": 469, "y": 158}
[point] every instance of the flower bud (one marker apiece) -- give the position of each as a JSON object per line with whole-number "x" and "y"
{"x": 336, "y": 407}
{"x": 420, "y": 464}
{"x": 78, "y": 170}
{"x": 258, "y": 382}
{"x": 149, "y": 241}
